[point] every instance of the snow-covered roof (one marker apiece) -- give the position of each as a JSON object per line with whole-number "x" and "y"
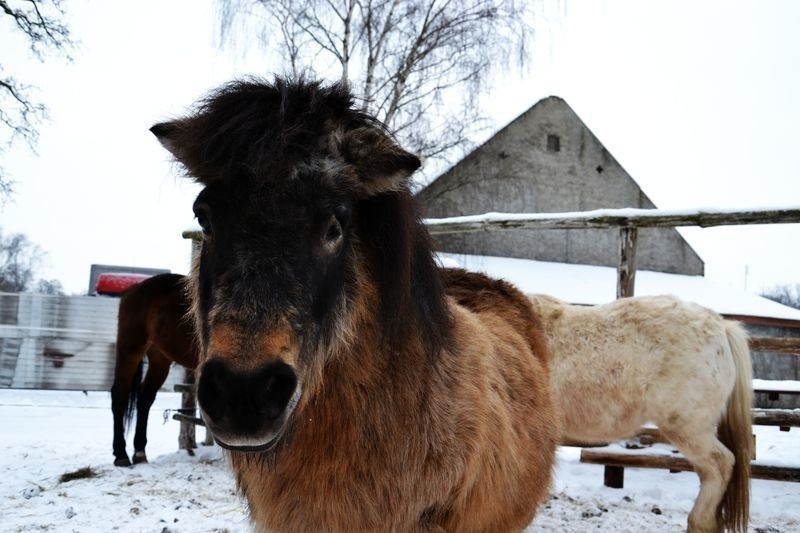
{"x": 588, "y": 284}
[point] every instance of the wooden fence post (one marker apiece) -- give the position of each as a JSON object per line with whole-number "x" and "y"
{"x": 614, "y": 476}
{"x": 626, "y": 269}
{"x": 186, "y": 435}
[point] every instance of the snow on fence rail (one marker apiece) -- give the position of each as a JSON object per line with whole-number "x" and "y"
{"x": 608, "y": 218}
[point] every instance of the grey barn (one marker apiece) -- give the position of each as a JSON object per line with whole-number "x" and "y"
{"x": 547, "y": 160}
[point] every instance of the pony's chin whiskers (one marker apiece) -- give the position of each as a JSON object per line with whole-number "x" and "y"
{"x": 244, "y": 446}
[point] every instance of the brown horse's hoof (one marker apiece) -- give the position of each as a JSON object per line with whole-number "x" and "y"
{"x": 122, "y": 461}
{"x": 139, "y": 458}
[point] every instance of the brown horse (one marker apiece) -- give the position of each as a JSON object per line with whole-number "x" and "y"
{"x": 152, "y": 321}
{"x": 351, "y": 392}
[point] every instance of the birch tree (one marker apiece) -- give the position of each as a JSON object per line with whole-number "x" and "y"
{"x": 418, "y": 65}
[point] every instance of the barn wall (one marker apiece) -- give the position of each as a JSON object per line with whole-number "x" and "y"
{"x": 547, "y": 160}
{"x": 775, "y": 366}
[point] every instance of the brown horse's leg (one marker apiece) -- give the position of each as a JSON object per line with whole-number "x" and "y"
{"x": 127, "y": 375}
{"x": 157, "y": 371}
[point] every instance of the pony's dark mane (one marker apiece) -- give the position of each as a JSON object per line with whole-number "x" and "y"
{"x": 409, "y": 280}
{"x": 243, "y": 128}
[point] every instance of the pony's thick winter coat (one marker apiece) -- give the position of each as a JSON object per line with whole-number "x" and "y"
{"x": 355, "y": 387}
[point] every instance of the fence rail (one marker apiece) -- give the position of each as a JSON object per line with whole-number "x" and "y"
{"x": 612, "y": 218}
{"x": 789, "y": 346}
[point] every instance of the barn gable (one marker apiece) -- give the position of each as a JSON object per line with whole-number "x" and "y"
{"x": 547, "y": 160}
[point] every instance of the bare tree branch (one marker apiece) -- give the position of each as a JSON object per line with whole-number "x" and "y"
{"x": 406, "y": 57}
{"x": 20, "y": 116}
{"x": 45, "y": 32}
{"x": 784, "y": 294}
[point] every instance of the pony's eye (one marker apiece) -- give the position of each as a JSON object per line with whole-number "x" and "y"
{"x": 334, "y": 231}
{"x": 203, "y": 219}
{"x": 334, "y": 227}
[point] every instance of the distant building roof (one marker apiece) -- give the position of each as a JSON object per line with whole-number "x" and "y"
{"x": 548, "y": 161}
{"x": 588, "y": 284}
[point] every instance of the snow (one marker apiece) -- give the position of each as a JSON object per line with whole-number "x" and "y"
{"x": 786, "y": 385}
{"x": 591, "y": 285}
{"x": 47, "y": 433}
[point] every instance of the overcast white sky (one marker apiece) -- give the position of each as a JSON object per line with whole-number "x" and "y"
{"x": 697, "y": 100}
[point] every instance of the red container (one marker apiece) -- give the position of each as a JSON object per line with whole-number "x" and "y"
{"x": 115, "y": 283}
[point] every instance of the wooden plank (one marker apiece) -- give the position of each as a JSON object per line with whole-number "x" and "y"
{"x": 606, "y": 218}
{"x": 678, "y": 463}
{"x": 638, "y": 460}
{"x": 763, "y": 321}
{"x": 188, "y": 419}
{"x": 776, "y": 391}
{"x": 775, "y": 394}
{"x": 776, "y": 473}
{"x": 626, "y": 268}
{"x": 776, "y": 417}
{"x": 789, "y": 346}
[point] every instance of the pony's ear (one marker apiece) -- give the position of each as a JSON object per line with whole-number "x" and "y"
{"x": 168, "y": 134}
{"x": 381, "y": 164}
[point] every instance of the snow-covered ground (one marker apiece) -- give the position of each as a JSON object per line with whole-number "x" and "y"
{"x": 46, "y": 434}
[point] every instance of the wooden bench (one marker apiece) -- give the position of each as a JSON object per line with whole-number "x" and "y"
{"x": 616, "y": 458}
{"x": 189, "y": 419}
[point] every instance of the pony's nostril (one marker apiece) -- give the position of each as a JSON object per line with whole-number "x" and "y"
{"x": 245, "y": 401}
{"x": 216, "y": 385}
{"x": 214, "y": 380}
{"x": 275, "y": 385}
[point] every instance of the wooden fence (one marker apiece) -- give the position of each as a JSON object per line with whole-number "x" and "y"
{"x": 628, "y": 221}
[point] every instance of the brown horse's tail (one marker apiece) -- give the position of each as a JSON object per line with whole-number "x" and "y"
{"x": 735, "y": 432}
{"x": 133, "y": 399}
